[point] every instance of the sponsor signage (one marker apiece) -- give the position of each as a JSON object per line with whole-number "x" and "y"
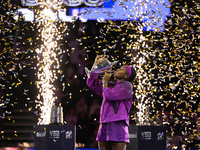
{"x": 40, "y": 134}
{"x": 69, "y": 134}
{"x": 55, "y": 136}
{"x": 147, "y": 138}
{"x": 160, "y": 136}
{"x": 146, "y": 135}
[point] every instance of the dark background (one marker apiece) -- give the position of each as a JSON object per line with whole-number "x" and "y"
{"x": 173, "y": 60}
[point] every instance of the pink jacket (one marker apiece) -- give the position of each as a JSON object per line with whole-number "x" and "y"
{"x": 120, "y": 93}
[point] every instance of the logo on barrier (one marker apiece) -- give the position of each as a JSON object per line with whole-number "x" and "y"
{"x": 133, "y": 136}
{"x": 160, "y": 136}
{"x": 146, "y": 135}
{"x": 54, "y": 134}
{"x": 68, "y": 134}
{"x": 40, "y": 134}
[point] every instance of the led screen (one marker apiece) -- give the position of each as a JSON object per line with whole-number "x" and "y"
{"x": 152, "y": 13}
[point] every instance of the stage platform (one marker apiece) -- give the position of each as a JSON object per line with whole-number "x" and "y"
{"x": 15, "y": 148}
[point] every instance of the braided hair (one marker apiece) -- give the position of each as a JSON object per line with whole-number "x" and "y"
{"x": 133, "y": 75}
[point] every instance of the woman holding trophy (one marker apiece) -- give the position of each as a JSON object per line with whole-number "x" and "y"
{"x": 117, "y": 100}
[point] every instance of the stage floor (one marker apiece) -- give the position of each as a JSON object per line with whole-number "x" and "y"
{"x": 16, "y": 148}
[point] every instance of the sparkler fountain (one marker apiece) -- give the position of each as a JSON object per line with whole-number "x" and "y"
{"x": 141, "y": 90}
{"x": 48, "y": 63}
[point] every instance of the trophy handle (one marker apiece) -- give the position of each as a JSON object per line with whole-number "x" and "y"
{"x": 113, "y": 63}
{"x": 107, "y": 56}
{"x": 87, "y": 71}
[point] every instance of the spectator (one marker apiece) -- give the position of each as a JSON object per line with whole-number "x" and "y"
{"x": 81, "y": 106}
{"x": 95, "y": 105}
{"x": 71, "y": 118}
{"x": 83, "y": 128}
{"x": 71, "y": 75}
{"x": 94, "y": 125}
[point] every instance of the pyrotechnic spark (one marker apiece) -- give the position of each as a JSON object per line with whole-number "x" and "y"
{"x": 48, "y": 66}
{"x": 141, "y": 93}
{"x": 178, "y": 55}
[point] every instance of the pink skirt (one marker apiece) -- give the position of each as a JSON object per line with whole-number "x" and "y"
{"x": 113, "y": 131}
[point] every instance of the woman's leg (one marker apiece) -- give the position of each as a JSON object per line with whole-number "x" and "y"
{"x": 104, "y": 145}
{"x": 118, "y": 145}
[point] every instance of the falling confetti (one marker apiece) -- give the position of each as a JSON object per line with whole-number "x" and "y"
{"x": 166, "y": 57}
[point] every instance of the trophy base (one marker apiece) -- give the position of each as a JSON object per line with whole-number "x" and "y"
{"x": 56, "y": 116}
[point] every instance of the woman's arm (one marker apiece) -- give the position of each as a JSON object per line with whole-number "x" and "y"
{"x": 95, "y": 84}
{"x": 121, "y": 91}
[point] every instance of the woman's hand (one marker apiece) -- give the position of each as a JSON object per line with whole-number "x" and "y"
{"x": 98, "y": 59}
{"x": 106, "y": 77}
